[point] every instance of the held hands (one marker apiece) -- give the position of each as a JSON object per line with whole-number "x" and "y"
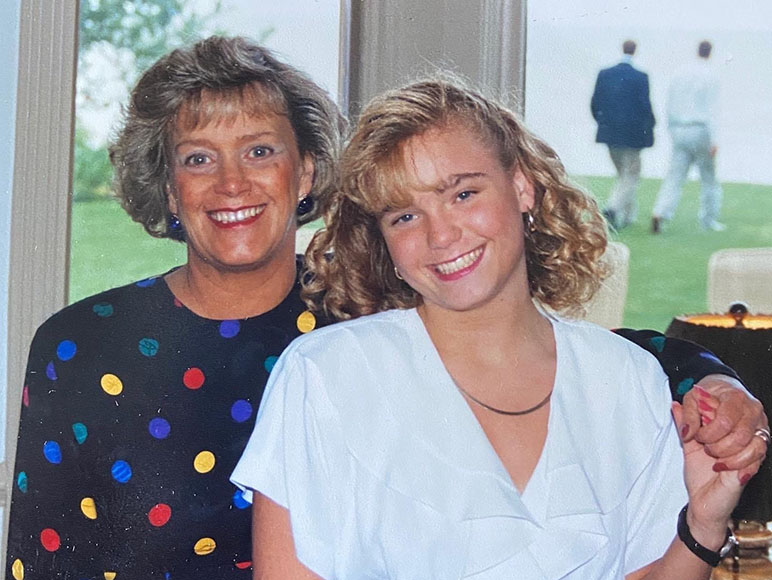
{"x": 712, "y": 494}
{"x": 719, "y": 413}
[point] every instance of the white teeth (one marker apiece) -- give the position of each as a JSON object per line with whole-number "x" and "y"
{"x": 229, "y": 217}
{"x": 459, "y": 263}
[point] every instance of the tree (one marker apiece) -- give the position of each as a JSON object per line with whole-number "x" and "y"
{"x": 117, "y": 40}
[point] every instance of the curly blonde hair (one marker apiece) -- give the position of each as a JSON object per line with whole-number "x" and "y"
{"x": 349, "y": 272}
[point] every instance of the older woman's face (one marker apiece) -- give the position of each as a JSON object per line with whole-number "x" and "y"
{"x": 460, "y": 243}
{"x": 236, "y": 185}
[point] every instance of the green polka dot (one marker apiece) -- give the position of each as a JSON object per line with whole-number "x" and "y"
{"x": 685, "y": 386}
{"x": 658, "y": 342}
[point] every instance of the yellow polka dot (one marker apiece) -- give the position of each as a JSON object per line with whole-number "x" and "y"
{"x": 204, "y": 546}
{"x": 111, "y": 384}
{"x": 204, "y": 462}
{"x": 110, "y": 575}
{"x": 306, "y": 322}
{"x": 18, "y": 570}
{"x": 88, "y": 507}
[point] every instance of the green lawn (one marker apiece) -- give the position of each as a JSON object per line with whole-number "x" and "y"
{"x": 667, "y": 272}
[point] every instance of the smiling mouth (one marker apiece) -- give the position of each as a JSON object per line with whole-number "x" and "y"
{"x": 237, "y": 216}
{"x": 453, "y": 266}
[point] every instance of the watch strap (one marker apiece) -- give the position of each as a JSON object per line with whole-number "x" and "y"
{"x": 707, "y": 555}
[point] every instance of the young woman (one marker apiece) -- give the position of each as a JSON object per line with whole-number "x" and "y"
{"x": 463, "y": 429}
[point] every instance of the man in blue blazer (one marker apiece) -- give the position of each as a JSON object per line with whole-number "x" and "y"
{"x": 621, "y": 106}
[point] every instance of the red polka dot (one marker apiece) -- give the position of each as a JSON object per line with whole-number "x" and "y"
{"x": 177, "y": 303}
{"x": 243, "y": 565}
{"x": 159, "y": 514}
{"x": 25, "y": 396}
{"x": 50, "y": 540}
{"x": 193, "y": 378}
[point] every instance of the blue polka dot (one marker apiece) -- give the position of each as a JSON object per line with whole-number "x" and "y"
{"x": 51, "y": 371}
{"x": 685, "y": 386}
{"x": 229, "y": 328}
{"x": 52, "y": 452}
{"x": 148, "y": 346}
{"x": 238, "y": 500}
{"x": 66, "y": 350}
{"x": 103, "y": 309}
{"x": 159, "y": 428}
{"x": 80, "y": 431}
{"x": 147, "y": 283}
{"x": 121, "y": 471}
{"x": 21, "y": 481}
{"x": 269, "y": 362}
{"x": 658, "y": 342}
{"x": 241, "y": 411}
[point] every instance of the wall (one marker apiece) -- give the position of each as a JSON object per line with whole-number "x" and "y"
{"x": 9, "y": 56}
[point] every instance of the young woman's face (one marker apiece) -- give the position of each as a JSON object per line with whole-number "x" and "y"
{"x": 459, "y": 243}
{"x": 236, "y": 186}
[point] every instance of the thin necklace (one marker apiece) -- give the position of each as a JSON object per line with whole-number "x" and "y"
{"x": 536, "y": 407}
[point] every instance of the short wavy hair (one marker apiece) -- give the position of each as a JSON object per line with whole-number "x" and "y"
{"x": 349, "y": 270}
{"x": 216, "y": 77}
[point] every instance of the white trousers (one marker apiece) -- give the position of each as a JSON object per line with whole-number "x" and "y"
{"x": 623, "y": 201}
{"x": 691, "y": 146}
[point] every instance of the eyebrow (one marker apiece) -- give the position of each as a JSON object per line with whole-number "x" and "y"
{"x": 457, "y": 178}
{"x": 240, "y": 139}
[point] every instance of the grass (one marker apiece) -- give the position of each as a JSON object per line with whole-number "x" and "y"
{"x": 668, "y": 272}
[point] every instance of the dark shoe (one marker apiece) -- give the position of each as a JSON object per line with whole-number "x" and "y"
{"x": 656, "y": 225}
{"x": 611, "y": 217}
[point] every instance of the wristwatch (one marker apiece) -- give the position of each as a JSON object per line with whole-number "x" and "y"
{"x": 705, "y": 554}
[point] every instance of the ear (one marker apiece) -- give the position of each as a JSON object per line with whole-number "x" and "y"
{"x": 306, "y": 176}
{"x": 171, "y": 200}
{"x": 526, "y": 196}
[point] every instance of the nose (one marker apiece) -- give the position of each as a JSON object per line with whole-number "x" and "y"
{"x": 441, "y": 231}
{"x": 232, "y": 179}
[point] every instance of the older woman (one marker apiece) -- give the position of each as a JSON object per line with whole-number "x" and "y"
{"x": 462, "y": 430}
{"x": 138, "y": 401}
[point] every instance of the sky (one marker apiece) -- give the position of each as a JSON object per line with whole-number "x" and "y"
{"x": 568, "y": 45}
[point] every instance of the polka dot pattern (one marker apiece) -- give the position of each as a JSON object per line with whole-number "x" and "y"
{"x": 193, "y": 378}
{"x": 142, "y": 408}
{"x": 50, "y": 540}
{"x": 159, "y": 515}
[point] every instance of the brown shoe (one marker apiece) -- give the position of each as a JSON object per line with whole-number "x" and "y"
{"x": 656, "y": 225}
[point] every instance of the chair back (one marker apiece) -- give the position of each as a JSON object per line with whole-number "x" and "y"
{"x": 740, "y": 275}
{"x": 607, "y": 308}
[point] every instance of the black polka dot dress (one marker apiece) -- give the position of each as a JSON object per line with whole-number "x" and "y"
{"x": 135, "y": 411}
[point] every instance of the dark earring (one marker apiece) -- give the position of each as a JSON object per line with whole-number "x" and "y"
{"x": 305, "y": 205}
{"x": 174, "y": 223}
{"x": 529, "y": 222}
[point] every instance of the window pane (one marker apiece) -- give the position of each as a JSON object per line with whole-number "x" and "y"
{"x": 568, "y": 43}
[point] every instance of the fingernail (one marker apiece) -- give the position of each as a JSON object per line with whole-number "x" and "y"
{"x": 684, "y": 431}
{"x": 745, "y": 479}
{"x": 704, "y": 406}
{"x": 701, "y": 392}
{"x": 720, "y": 467}
{"x": 706, "y": 420}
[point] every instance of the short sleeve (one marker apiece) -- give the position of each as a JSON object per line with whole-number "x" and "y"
{"x": 655, "y": 499}
{"x": 297, "y": 457}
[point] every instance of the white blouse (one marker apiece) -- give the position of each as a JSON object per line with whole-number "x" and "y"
{"x": 386, "y": 472}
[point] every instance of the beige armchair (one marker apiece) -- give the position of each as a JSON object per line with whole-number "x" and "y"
{"x": 740, "y": 274}
{"x": 608, "y": 306}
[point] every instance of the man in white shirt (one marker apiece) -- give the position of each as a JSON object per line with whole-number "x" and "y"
{"x": 691, "y": 112}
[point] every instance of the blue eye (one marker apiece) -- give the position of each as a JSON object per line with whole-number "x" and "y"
{"x": 465, "y": 195}
{"x": 196, "y": 159}
{"x": 404, "y": 218}
{"x": 260, "y": 151}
